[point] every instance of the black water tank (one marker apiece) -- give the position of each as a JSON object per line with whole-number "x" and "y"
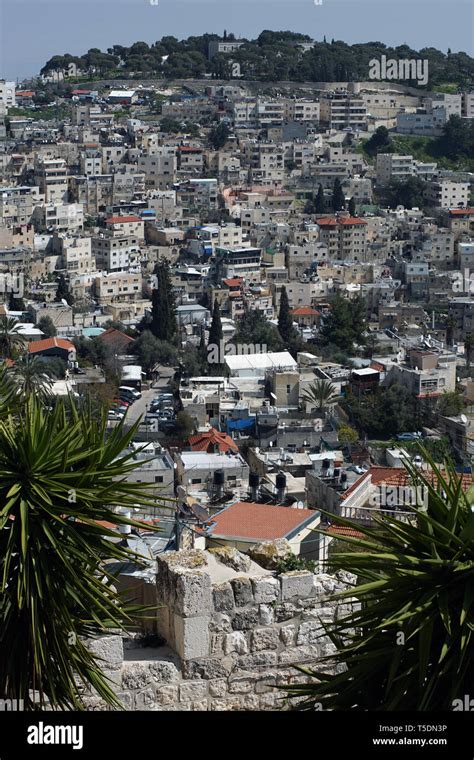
{"x": 219, "y": 478}
{"x": 343, "y": 477}
{"x": 280, "y": 480}
{"x": 254, "y": 480}
{"x": 337, "y": 472}
{"x": 326, "y": 464}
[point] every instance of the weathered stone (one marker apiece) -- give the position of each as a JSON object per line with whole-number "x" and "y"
{"x": 266, "y": 614}
{"x": 295, "y": 655}
{"x": 235, "y": 642}
{"x": 193, "y": 593}
{"x": 145, "y": 700}
{"x": 264, "y": 638}
{"x": 223, "y": 597}
{"x": 206, "y": 669}
{"x": 297, "y": 584}
{"x": 191, "y": 637}
{"x": 265, "y": 685}
{"x": 232, "y": 558}
{"x": 257, "y": 660}
{"x": 309, "y": 632}
{"x": 201, "y": 706}
{"x": 242, "y": 591}
{"x": 245, "y": 620}
{"x": 265, "y": 590}
{"x": 287, "y": 635}
{"x": 220, "y": 623}
{"x": 240, "y": 685}
{"x": 217, "y": 643}
{"x": 218, "y": 687}
{"x": 271, "y": 702}
{"x": 126, "y": 699}
{"x": 191, "y": 691}
{"x": 269, "y": 553}
{"x": 285, "y": 611}
{"x": 109, "y": 649}
{"x": 250, "y": 702}
{"x": 167, "y": 695}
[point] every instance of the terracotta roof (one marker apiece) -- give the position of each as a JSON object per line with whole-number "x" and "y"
{"x": 209, "y": 440}
{"x": 115, "y": 336}
{"x": 377, "y": 366}
{"x": 398, "y": 476}
{"x": 122, "y": 219}
{"x": 461, "y": 211}
{"x": 343, "y": 530}
{"x": 304, "y": 311}
{"x": 47, "y": 343}
{"x": 259, "y": 522}
{"x": 233, "y": 282}
{"x": 189, "y": 149}
{"x": 332, "y": 221}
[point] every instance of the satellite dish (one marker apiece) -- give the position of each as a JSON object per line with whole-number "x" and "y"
{"x": 300, "y": 504}
{"x": 464, "y": 419}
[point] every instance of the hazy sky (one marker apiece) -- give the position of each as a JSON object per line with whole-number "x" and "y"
{"x": 32, "y": 31}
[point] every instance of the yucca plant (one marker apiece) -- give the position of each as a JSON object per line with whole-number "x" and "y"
{"x": 408, "y": 643}
{"x": 61, "y": 479}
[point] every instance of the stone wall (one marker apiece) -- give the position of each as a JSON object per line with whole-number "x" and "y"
{"x": 233, "y": 632}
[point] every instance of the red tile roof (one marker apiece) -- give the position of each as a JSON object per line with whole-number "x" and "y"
{"x": 189, "y": 149}
{"x": 233, "y": 282}
{"x": 259, "y": 522}
{"x": 304, "y": 311}
{"x": 461, "y": 211}
{"x": 209, "y": 440}
{"x": 48, "y": 343}
{"x": 343, "y": 530}
{"x": 332, "y": 221}
{"x": 398, "y": 476}
{"x": 122, "y": 219}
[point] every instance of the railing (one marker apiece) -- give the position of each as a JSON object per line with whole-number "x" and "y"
{"x": 368, "y": 514}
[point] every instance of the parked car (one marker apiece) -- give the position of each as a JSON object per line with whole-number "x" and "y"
{"x": 115, "y": 414}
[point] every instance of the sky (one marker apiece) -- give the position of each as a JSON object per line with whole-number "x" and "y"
{"x": 31, "y": 31}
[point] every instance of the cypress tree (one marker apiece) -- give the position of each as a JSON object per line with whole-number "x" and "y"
{"x": 285, "y": 321}
{"x": 320, "y": 204}
{"x": 338, "y": 199}
{"x": 352, "y": 207}
{"x": 215, "y": 333}
{"x": 62, "y": 291}
{"x": 163, "y": 307}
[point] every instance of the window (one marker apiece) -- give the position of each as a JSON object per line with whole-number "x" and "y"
{"x": 195, "y": 481}
{"x": 158, "y": 478}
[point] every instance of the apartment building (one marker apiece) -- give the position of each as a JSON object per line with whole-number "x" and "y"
{"x": 190, "y": 159}
{"x": 426, "y": 374}
{"x": 266, "y": 160}
{"x": 51, "y": 176}
{"x": 117, "y": 286}
{"x": 237, "y": 262}
{"x": 448, "y": 194}
{"x": 7, "y": 94}
{"x": 17, "y": 204}
{"x": 91, "y": 162}
{"x": 198, "y": 193}
{"x": 344, "y": 236}
{"x": 302, "y": 110}
{"x": 392, "y": 167}
{"x": 159, "y": 168}
{"x": 128, "y": 226}
{"x": 341, "y": 110}
{"x": 116, "y": 252}
{"x": 62, "y": 217}
{"x": 223, "y": 47}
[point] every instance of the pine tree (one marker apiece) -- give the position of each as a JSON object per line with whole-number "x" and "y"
{"x": 163, "y": 308}
{"x": 63, "y": 292}
{"x": 338, "y": 199}
{"x": 285, "y": 321}
{"x": 320, "y": 204}
{"x": 352, "y": 207}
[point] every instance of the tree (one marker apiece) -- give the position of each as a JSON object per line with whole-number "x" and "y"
{"x": 31, "y": 377}
{"x": 451, "y": 404}
{"x": 63, "y": 481}
{"x": 150, "y": 351}
{"x": 62, "y": 291}
{"x": 15, "y": 303}
{"x": 338, "y": 199}
{"x": 451, "y": 325}
{"x": 184, "y": 424}
{"x": 468, "y": 346}
{"x": 380, "y": 142}
{"x": 163, "y": 312}
{"x": 347, "y": 434}
{"x": 215, "y": 333}
{"x": 407, "y": 642}
{"x": 345, "y": 323}
{"x": 321, "y": 394}
{"x": 352, "y": 207}
{"x": 254, "y": 328}
{"x": 320, "y": 203}
{"x": 409, "y": 193}
{"x": 385, "y": 413}
{"x": 285, "y": 320}
{"x": 10, "y": 339}
{"x": 218, "y": 135}
{"x": 46, "y": 325}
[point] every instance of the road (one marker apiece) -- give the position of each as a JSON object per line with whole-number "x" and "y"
{"x": 139, "y": 408}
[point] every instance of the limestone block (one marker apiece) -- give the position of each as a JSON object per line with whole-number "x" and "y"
{"x": 191, "y": 637}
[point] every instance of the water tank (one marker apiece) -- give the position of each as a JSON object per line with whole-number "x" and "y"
{"x": 254, "y": 480}
{"x": 326, "y": 464}
{"x": 280, "y": 481}
{"x": 337, "y": 472}
{"x": 219, "y": 478}
{"x": 344, "y": 477}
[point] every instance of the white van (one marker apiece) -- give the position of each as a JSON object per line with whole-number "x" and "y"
{"x": 129, "y": 392}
